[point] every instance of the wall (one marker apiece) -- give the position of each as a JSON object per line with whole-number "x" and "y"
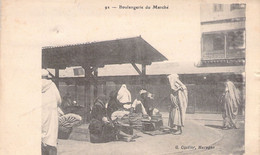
{"x": 208, "y": 13}
{"x": 203, "y": 93}
{"x": 222, "y": 26}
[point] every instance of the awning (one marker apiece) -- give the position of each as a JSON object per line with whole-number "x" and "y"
{"x": 98, "y": 54}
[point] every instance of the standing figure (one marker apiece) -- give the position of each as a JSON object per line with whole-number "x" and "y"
{"x": 50, "y": 101}
{"x": 179, "y": 102}
{"x": 231, "y": 101}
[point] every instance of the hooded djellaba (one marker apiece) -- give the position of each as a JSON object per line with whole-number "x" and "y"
{"x": 50, "y": 101}
{"x": 179, "y": 102}
{"x": 124, "y": 96}
{"x": 231, "y": 101}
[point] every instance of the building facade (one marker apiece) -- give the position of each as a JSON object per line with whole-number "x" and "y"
{"x": 223, "y": 51}
{"x": 223, "y": 35}
{"x": 223, "y": 44}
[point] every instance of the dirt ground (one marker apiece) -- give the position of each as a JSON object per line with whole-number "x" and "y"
{"x": 202, "y": 135}
{"x": 232, "y": 141}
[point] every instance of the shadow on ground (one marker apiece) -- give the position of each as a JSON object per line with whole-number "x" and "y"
{"x": 214, "y": 126}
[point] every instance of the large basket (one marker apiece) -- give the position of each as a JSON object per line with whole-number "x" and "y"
{"x": 64, "y": 133}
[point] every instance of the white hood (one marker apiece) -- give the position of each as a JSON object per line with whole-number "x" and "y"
{"x": 124, "y": 96}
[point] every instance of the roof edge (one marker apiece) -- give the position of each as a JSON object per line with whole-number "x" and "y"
{"x": 86, "y": 43}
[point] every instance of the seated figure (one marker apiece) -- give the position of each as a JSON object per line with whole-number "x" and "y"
{"x": 66, "y": 101}
{"x": 100, "y": 128}
{"x": 120, "y": 102}
{"x": 154, "y": 121}
{"x": 137, "y": 105}
{"x": 124, "y": 97}
{"x": 147, "y": 100}
{"x": 118, "y": 111}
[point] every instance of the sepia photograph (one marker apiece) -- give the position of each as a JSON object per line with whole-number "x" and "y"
{"x": 142, "y": 77}
{"x": 130, "y": 96}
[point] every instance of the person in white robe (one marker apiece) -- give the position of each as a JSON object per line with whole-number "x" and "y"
{"x": 179, "y": 103}
{"x": 50, "y": 101}
{"x": 231, "y": 100}
{"x": 124, "y": 99}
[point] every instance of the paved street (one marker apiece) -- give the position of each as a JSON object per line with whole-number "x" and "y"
{"x": 202, "y": 135}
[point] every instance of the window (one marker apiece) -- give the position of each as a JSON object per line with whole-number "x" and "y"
{"x": 223, "y": 44}
{"x": 218, "y": 43}
{"x": 78, "y": 71}
{"x": 236, "y": 40}
{"x": 218, "y": 7}
{"x": 213, "y": 42}
{"x": 237, "y": 6}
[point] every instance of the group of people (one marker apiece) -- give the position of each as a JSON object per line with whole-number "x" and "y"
{"x": 113, "y": 112}
{"x": 230, "y": 100}
{"x": 110, "y": 115}
{"x": 107, "y": 114}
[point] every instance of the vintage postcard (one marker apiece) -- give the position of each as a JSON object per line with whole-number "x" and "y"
{"x": 129, "y": 77}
